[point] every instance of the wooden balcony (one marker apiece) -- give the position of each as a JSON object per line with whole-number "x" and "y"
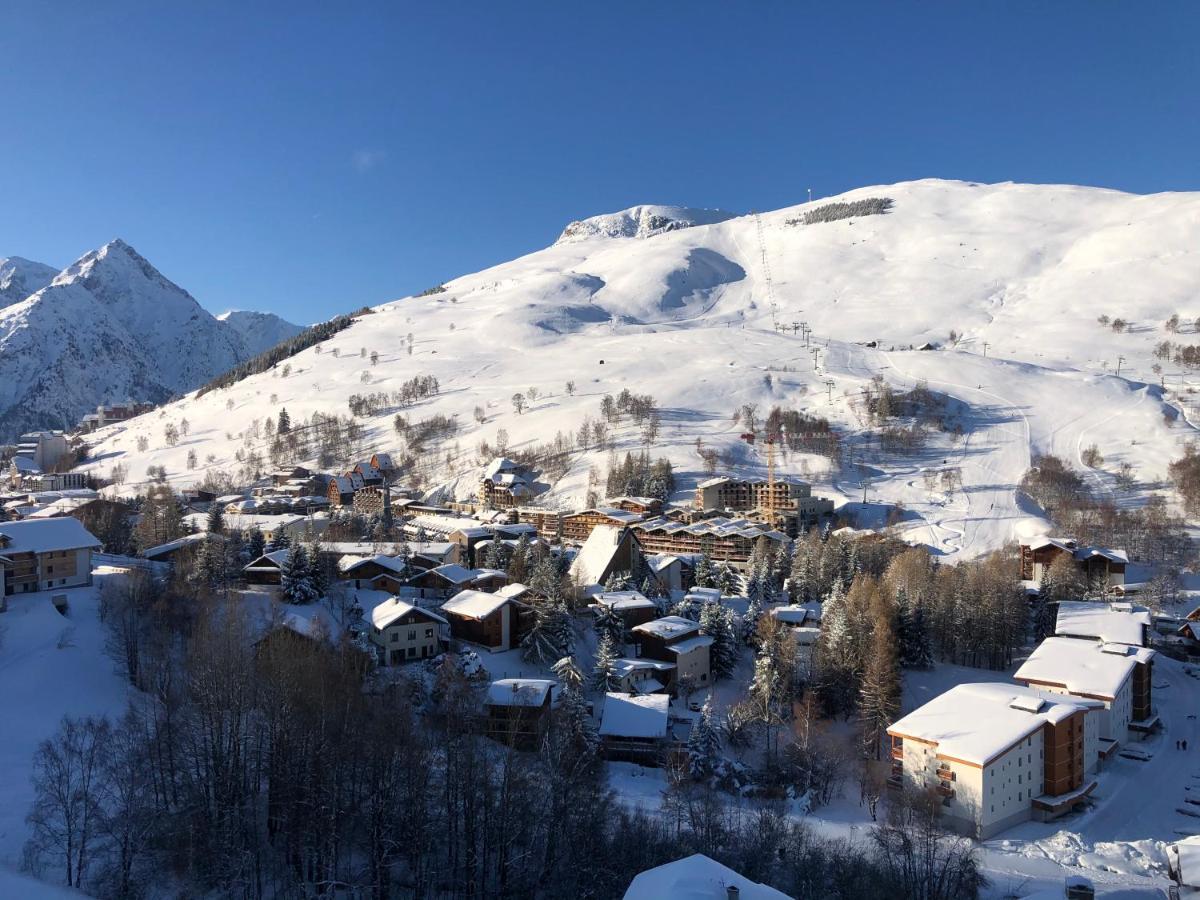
{"x": 946, "y": 775}
{"x": 945, "y": 790}
{"x": 898, "y": 751}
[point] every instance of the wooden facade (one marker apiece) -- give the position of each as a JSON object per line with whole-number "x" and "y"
{"x": 1063, "y": 755}
{"x": 519, "y": 726}
{"x": 548, "y": 522}
{"x": 1142, "y": 707}
{"x": 577, "y": 527}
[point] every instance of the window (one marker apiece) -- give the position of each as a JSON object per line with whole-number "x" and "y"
{"x": 395, "y": 637}
{"x": 50, "y": 570}
{"x": 412, "y": 634}
{"x": 704, "y": 676}
{"x": 428, "y": 632}
{"x": 412, "y": 651}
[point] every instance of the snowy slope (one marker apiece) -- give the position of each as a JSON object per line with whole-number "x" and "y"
{"x": 257, "y": 331}
{"x": 110, "y": 327}
{"x": 21, "y": 277}
{"x": 687, "y": 315}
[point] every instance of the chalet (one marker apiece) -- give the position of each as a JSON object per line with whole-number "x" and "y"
{"x": 385, "y": 465}
{"x": 180, "y": 549}
{"x": 607, "y": 550}
{"x": 1115, "y": 623}
{"x": 519, "y": 711}
{"x": 643, "y": 506}
{"x": 342, "y": 488}
{"x": 632, "y": 607}
{"x": 464, "y": 532}
{"x": 494, "y": 621}
{"x": 489, "y": 580}
{"x": 548, "y": 522}
{"x": 697, "y": 877}
{"x": 402, "y": 632}
{"x": 1190, "y": 632}
{"x": 283, "y": 477}
{"x": 442, "y": 581}
{"x": 370, "y": 475}
{"x": 644, "y": 676}
{"x": 1119, "y": 675}
{"x": 267, "y": 569}
{"x": 998, "y": 754}
{"x": 370, "y": 500}
{"x": 669, "y": 571}
{"x": 362, "y": 571}
{"x": 45, "y": 554}
{"x": 1102, "y": 567}
{"x": 507, "y": 485}
{"x": 577, "y": 527}
{"x": 722, "y": 538}
{"x": 635, "y": 727}
{"x": 677, "y": 640}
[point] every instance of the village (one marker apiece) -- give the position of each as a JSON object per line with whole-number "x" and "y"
{"x": 739, "y": 643}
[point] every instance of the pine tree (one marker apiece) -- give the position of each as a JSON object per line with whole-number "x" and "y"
{"x": 750, "y": 620}
{"x": 317, "y": 572}
{"x": 285, "y": 422}
{"x": 717, "y": 622}
{"x": 609, "y": 623}
{"x": 704, "y": 744}
{"x": 550, "y": 638}
{"x": 572, "y": 706}
{"x": 756, "y": 589}
{"x": 208, "y": 568}
{"x": 518, "y": 565}
{"x": 604, "y": 675}
{"x": 727, "y": 581}
{"x": 216, "y": 519}
{"x": 295, "y": 578}
{"x": 256, "y": 544}
{"x": 801, "y": 585}
{"x": 704, "y": 571}
{"x": 920, "y": 645}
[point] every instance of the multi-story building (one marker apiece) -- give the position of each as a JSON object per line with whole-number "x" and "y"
{"x": 577, "y": 527}
{"x": 1101, "y": 566}
{"x": 729, "y": 540}
{"x": 548, "y": 522}
{"x": 997, "y": 754}
{"x": 45, "y": 554}
{"x": 677, "y": 640}
{"x": 43, "y": 449}
{"x": 788, "y": 497}
{"x": 404, "y": 632}
{"x": 117, "y": 412}
{"x": 1118, "y": 675}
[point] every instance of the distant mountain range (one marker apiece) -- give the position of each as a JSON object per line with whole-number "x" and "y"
{"x": 110, "y": 327}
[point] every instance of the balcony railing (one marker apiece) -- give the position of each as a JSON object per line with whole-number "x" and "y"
{"x": 897, "y": 751}
{"x": 946, "y": 775}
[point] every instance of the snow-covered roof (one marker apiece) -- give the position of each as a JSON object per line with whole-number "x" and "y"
{"x": 620, "y": 515}
{"x": 520, "y": 691}
{"x": 474, "y": 604}
{"x": 792, "y": 614}
{"x": 621, "y": 600}
{"x": 626, "y": 664}
{"x": 455, "y": 573}
{"x": 1099, "y": 620}
{"x": 661, "y": 561}
{"x": 977, "y": 722}
{"x": 268, "y": 561}
{"x": 668, "y": 627}
{"x": 178, "y": 544}
{"x": 392, "y": 563}
{"x": 717, "y": 526}
{"x": 596, "y": 554}
{"x": 1082, "y": 666}
{"x": 311, "y": 620}
{"x": 697, "y": 877}
{"x": 689, "y": 644}
{"x": 447, "y": 525}
{"x": 712, "y": 482}
{"x": 705, "y": 594}
{"x": 634, "y": 716}
{"x": 45, "y": 536}
{"x": 387, "y": 612}
{"x": 1190, "y": 629}
{"x": 514, "y": 591}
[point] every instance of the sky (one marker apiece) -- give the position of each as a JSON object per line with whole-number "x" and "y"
{"x": 310, "y": 158}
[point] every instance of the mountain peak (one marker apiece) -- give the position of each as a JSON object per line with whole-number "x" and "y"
{"x": 640, "y": 222}
{"x": 20, "y": 277}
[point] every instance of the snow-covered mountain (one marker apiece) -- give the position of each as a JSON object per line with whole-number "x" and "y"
{"x": 258, "y": 331}
{"x": 706, "y": 319}
{"x": 640, "y": 221}
{"x": 20, "y": 277}
{"x": 109, "y": 327}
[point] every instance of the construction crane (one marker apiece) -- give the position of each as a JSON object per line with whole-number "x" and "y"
{"x": 770, "y": 438}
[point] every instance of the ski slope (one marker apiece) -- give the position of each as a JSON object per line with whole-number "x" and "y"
{"x": 686, "y": 312}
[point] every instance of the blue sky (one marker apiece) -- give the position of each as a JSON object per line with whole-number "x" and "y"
{"x": 310, "y": 158}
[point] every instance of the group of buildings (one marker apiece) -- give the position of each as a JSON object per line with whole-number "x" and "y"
{"x": 998, "y": 754}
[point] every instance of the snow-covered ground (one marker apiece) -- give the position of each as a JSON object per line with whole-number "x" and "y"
{"x": 51, "y": 666}
{"x": 1019, "y": 272}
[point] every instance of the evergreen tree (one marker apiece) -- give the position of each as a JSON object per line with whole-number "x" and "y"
{"x": 756, "y": 589}
{"x": 285, "y": 422}
{"x": 920, "y": 645}
{"x": 750, "y": 620}
{"x": 256, "y": 544}
{"x": 404, "y": 558}
{"x": 216, "y": 519}
{"x": 704, "y": 571}
{"x": 727, "y": 581}
{"x": 609, "y": 623}
{"x": 801, "y": 585}
{"x": 572, "y": 708}
{"x": 317, "y": 571}
{"x": 704, "y": 744}
{"x": 717, "y": 622}
{"x": 550, "y": 638}
{"x": 295, "y": 577}
{"x": 518, "y": 565}
{"x": 208, "y": 569}
{"x": 604, "y": 675}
